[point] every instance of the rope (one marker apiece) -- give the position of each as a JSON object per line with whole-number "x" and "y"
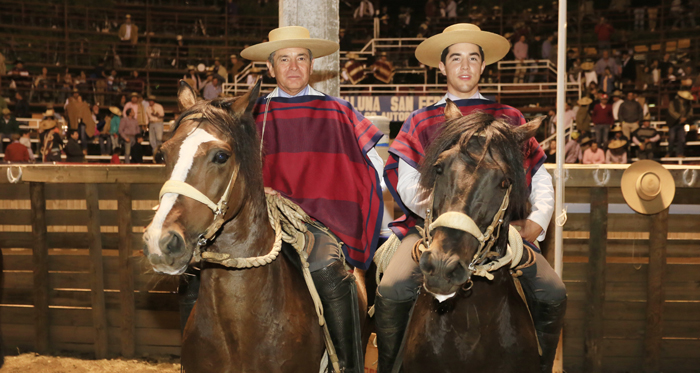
{"x": 384, "y": 253}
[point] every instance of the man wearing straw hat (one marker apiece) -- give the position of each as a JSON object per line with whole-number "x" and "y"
{"x": 319, "y": 152}
{"x": 680, "y": 111}
{"x": 461, "y": 52}
{"x": 155, "y": 123}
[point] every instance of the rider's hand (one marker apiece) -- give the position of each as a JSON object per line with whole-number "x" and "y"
{"x": 271, "y": 191}
{"x": 529, "y": 230}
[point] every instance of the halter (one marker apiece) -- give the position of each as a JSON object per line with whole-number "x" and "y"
{"x": 463, "y": 222}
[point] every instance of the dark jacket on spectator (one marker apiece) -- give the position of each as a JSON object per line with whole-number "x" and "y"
{"x": 9, "y": 126}
{"x": 677, "y": 109}
{"x": 22, "y": 109}
{"x": 136, "y": 153}
{"x": 74, "y": 153}
{"x": 630, "y": 111}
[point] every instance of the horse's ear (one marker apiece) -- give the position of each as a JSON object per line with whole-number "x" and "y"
{"x": 245, "y": 104}
{"x": 528, "y": 130}
{"x": 186, "y": 96}
{"x": 451, "y": 110}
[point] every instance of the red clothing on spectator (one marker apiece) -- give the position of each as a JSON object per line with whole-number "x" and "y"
{"x": 603, "y": 115}
{"x": 604, "y": 31}
{"x": 16, "y": 152}
{"x": 115, "y": 159}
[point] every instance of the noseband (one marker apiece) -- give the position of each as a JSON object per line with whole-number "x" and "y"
{"x": 463, "y": 222}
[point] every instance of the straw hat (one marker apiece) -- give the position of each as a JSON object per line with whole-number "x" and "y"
{"x": 127, "y": 16}
{"x": 115, "y": 110}
{"x": 587, "y": 66}
{"x": 585, "y": 101}
{"x": 190, "y": 67}
{"x": 618, "y": 93}
{"x": 647, "y": 187}
{"x": 151, "y": 97}
{"x": 289, "y": 37}
{"x": 47, "y": 124}
{"x": 585, "y": 141}
{"x": 233, "y": 56}
{"x": 685, "y": 95}
{"x": 495, "y": 46}
{"x": 616, "y": 144}
{"x": 135, "y": 94}
{"x": 616, "y": 128}
{"x": 179, "y": 37}
{"x": 6, "y": 111}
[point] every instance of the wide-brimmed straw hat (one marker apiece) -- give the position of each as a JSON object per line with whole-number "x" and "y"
{"x": 647, "y": 187}
{"x": 616, "y": 128}
{"x": 586, "y": 140}
{"x": 49, "y": 113}
{"x": 151, "y": 97}
{"x": 6, "y": 111}
{"x": 48, "y": 124}
{"x": 115, "y": 110}
{"x": 618, "y": 93}
{"x": 289, "y": 37}
{"x": 587, "y": 66}
{"x": 617, "y": 144}
{"x": 585, "y": 101}
{"x": 495, "y": 46}
{"x": 685, "y": 95}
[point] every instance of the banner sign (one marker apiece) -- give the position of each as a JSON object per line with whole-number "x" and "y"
{"x": 396, "y": 108}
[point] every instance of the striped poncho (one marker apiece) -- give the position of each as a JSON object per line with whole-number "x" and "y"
{"x": 423, "y": 125}
{"x": 315, "y": 153}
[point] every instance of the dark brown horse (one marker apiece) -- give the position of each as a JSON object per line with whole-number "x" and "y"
{"x": 462, "y": 322}
{"x": 245, "y": 320}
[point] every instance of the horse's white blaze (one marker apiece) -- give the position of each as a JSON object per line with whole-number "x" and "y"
{"x": 180, "y": 171}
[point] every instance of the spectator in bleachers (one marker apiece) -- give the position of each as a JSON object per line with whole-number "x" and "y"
{"x": 639, "y": 13}
{"x": 604, "y": 32}
{"x": 212, "y": 89}
{"x": 647, "y": 139}
{"x": 607, "y": 82}
{"x": 643, "y": 103}
{"x": 3, "y": 68}
{"x": 182, "y": 52}
{"x": 604, "y": 62}
{"x": 383, "y": 69}
{"x": 616, "y": 152}
{"x": 192, "y": 78}
{"x": 74, "y": 153}
{"x": 21, "y": 76}
{"x": 547, "y": 47}
{"x": 135, "y": 83}
{"x": 137, "y": 150}
{"x": 365, "y": 9}
{"x": 80, "y": 119}
{"x": 128, "y": 34}
{"x": 603, "y": 120}
{"x": 353, "y": 70}
{"x": 8, "y": 126}
{"x": 572, "y": 150}
{"x": 155, "y": 123}
{"x": 630, "y": 114}
{"x": 21, "y": 106}
{"x": 53, "y": 145}
{"x": 628, "y": 68}
{"x": 3, "y": 103}
{"x": 253, "y": 77}
{"x": 47, "y": 123}
{"x": 451, "y": 10}
{"x": 134, "y": 104}
{"x": 128, "y": 129}
{"x": 665, "y": 65}
{"x": 551, "y": 152}
{"x": 583, "y": 116}
{"x": 103, "y": 127}
{"x": 115, "y": 156}
{"x": 234, "y": 67}
{"x": 43, "y": 87}
{"x": 431, "y": 9}
{"x": 680, "y": 111}
{"x": 81, "y": 82}
{"x": 644, "y": 80}
{"x": 219, "y": 70}
{"x": 616, "y": 102}
{"x": 16, "y": 152}
{"x": 114, "y": 126}
{"x": 520, "y": 50}
{"x": 592, "y": 155}
{"x": 27, "y": 142}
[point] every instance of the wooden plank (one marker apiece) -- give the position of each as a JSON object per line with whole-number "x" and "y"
{"x": 629, "y": 248}
{"x": 624, "y": 272}
{"x": 126, "y": 273}
{"x": 595, "y": 289}
{"x": 73, "y": 217}
{"x": 99, "y": 315}
{"x": 41, "y": 268}
{"x": 60, "y": 240}
{"x": 655, "y": 291}
{"x": 82, "y": 173}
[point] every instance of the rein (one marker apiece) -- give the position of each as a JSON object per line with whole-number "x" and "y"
{"x": 482, "y": 263}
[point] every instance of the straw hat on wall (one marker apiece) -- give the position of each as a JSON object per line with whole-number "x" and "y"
{"x": 648, "y": 187}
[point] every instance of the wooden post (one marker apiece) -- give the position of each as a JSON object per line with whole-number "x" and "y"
{"x": 41, "y": 268}
{"x": 595, "y": 281}
{"x": 65, "y": 31}
{"x": 99, "y": 312}
{"x": 655, "y": 292}
{"x": 126, "y": 272}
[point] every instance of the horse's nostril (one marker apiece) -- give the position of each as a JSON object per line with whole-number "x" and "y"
{"x": 426, "y": 264}
{"x": 459, "y": 274}
{"x": 172, "y": 244}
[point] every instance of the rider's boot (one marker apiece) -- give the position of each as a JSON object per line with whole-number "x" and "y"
{"x": 338, "y": 292}
{"x": 187, "y": 294}
{"x": 391, "y": 319}
{"x": 548, "y": 317}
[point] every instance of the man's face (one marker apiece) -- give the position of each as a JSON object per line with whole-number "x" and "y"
{"x": 134, "y": 99}
{"x": 292, "y": 69}
{"x": 604, "y": 101}
{"x": 463, "y": 68}
{"x": 151, "y": 102}
{"x": 74, "y": 135}
{"x": 630, "y": 96}
{"x": 215, "y": 81}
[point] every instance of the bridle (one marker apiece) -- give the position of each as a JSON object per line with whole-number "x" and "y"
{"x": 482, "y": 262}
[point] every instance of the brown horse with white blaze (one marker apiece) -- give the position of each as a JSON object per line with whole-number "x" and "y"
{"x": 245, "y": 320}
{"x": 469, "y": 315}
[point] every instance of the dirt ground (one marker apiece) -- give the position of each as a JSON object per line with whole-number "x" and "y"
{"x": 35, "y": 363}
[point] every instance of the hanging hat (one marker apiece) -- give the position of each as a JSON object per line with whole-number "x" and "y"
{"x": 647, "y": 187}
{"x": 617, "y": 144}
{"x": 289, "y": 37}
{"x": 685, "y": 95}
{"x": 495, "y": 46}
{"x": 115, "y": 110}
{"x": 585, "y": 101}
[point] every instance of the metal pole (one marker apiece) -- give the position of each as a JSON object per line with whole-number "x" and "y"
{"x": 559, "y": 179}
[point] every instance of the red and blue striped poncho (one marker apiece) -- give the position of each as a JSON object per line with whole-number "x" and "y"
{"x": 315, "y": 153}
{"x": 423, "y": 125}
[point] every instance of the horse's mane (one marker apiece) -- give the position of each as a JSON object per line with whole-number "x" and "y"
{"x": 243, "y": 133}
{"x": 494, "y": 135}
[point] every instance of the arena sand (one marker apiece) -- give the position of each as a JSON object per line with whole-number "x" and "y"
{"x": 31, "y": 362}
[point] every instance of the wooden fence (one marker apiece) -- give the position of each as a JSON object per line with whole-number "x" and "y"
{"x": 74, "y": 278}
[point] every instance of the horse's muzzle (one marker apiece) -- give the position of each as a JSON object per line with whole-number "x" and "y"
{"x": 443, "y": 274}
{"x": 171, "y": 256}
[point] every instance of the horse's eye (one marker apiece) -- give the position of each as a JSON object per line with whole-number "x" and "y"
{"x": 438, "y": 169}
{"x": 220, "y": 158}
{"x": 505, "y": 184}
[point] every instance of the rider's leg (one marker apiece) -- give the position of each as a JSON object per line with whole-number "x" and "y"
{"x": 338, "y": 292}
{"x": 396, "y": 294}
{"x": 546, "y": 295}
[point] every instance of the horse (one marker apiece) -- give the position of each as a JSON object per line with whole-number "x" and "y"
{"x": 461, "y": 322}
{"x": 245, "y": 320}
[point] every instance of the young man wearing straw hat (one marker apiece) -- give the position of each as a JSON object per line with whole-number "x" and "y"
{"x": 680, "y": 111}
{"x": 461, "y": 52}
{"x": 319, "y": 152}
